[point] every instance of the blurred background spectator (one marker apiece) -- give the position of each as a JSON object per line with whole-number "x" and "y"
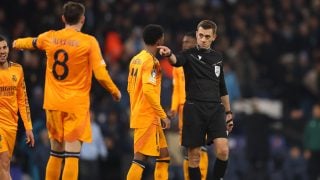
{"x": 271, "y": 51}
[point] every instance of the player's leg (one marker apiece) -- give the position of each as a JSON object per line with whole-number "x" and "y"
{"x": 54, "y": 165}
{"x": 7, "y": 143}
{"x": 193, "y": 136}
{"x": 221, "y": 150}
{"x": 185, "y": 164}
{"x": 4, "y": 157}
{"x": 204, "y": 162}
{"x": 55, "y": 132}
{"x": 194, "y": 160}
{"x": 137, "y": 166}
{"x": 77, "y": 129}
{"x": 217, "y": 134}
{"x": 71, "y": 164}
{"x": 162, "y": 162}
{"x": 4, "y": 165}
{"x": 145, "y": 145}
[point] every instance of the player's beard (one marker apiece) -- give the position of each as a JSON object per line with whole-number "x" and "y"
{"x": 3, "y": 58}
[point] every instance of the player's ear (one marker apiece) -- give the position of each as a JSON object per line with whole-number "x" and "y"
{"x": 82, "y": 19}
{"x": 214, "y": 36}
{"x": 63, "y": 19}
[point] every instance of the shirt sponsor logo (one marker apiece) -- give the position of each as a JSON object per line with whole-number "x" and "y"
{"x": 7, "y": 90}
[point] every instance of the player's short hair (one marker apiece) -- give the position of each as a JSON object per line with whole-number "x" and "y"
{"x": 152, "y": 33}
{"x": 2, "y": 38}
{"x": 191, "y": 34}
{"x": 207, "y": 24}
{"x": 72, "y": 12}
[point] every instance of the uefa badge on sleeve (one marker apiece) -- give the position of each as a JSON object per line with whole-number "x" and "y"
{"x": 153, "y": 76}
{"x": 217, "y": 70}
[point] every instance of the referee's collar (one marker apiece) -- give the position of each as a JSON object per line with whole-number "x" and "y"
{"x": 203, "y": 50}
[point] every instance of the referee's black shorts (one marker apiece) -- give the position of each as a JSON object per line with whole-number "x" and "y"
{"x": 202, "y": 123}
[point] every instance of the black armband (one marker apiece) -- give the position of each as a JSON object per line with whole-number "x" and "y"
{"x": 34, "y": 43}
{"x": 228, "y": 112}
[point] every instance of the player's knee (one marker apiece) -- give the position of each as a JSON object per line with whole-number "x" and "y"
{"x": 164, "y": 152}
{"x": 223, "y": 153}
{"x": 4, "y": 161}
{"x": 194, "y": 158}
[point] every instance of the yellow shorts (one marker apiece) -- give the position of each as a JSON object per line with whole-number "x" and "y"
{"x": 7, "y": 140}
{"x": 150, "y": 140}
{"x": 65, "y": 126}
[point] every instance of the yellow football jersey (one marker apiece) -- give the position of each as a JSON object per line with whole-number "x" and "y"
{"x": 144, "y": 87}
{"x": 179, "y": 93}
{"x": 71, "y": 57}
{"x": 13, "y": 97}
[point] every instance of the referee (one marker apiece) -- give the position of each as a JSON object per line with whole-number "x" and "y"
{"x": 207, "y": 114}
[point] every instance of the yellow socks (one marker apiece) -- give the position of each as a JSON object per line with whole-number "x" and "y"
{"x": 203, "y": 163}
{"x": 136, "y": 170}
{"x": 53, "y": 169}
{"x": 161, "y": 169}
{"x": 71, "y": 166}
{"x": 185, "y": 168}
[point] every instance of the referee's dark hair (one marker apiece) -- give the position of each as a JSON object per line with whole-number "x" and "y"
{"x": 152, "y": 33}
{"x": 207, "y": 24}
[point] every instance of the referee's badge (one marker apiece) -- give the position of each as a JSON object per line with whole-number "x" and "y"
{"x": 217, "y": 70}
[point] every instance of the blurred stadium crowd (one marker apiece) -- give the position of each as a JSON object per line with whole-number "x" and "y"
{"x": 272, "y": 54}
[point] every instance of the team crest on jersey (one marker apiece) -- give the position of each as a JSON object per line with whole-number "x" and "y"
{"x": 14, "y": 78}
{"x": 217, "y": 70}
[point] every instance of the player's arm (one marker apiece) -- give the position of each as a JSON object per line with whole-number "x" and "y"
{"x": 25, "y": 43}
{"x": 24, "y": 110}
{"x": 32, "y": 42}
{"x": 101, "y": 73}
{"x": 225, "y": 100}
{"x": 175, "y": 98}
{"x": 149, "y": 91}
{"x": 175, "y": 60}
{"x": 104, "y": 79}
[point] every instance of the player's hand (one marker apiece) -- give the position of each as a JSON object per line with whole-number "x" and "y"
{"x": 29, "y": 138}
{"x": 164, "y": 51}
{"x": 116, "y": 96}
{"x": 14, "y": 43}
{"x": 229, "y": 120}
{"x": 171, "y": 114}
{"x": 165, "y": 123}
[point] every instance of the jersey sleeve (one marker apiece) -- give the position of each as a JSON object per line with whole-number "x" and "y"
{"x": 181, "y": 59}
{"x": 42, "y": 40}
{"x": 32, "y": 42}
{"x": 99, "y": 69}
{"x": 222, "y": 83}
{"x": 175, "y": 92}
{"x": 95, "y": 55}
{"x": 149, "y": 82}
{"x": 23, "y": 103}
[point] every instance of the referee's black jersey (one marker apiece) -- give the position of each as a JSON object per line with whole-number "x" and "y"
{"x": 203, "y": 71}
